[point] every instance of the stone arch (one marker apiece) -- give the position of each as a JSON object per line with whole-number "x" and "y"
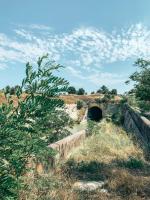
{"x": 94, "y": 113}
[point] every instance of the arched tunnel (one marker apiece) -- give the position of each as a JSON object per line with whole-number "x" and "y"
{"x": 94, "y": 113}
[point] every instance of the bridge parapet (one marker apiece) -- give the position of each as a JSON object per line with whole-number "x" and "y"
{"x": 137, "y": 124}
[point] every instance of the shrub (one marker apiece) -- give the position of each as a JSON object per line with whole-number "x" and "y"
{"x": 71, "y": 90}
{"x": 113, "y": 92}
{"x": 92, "y": 128}
{"x": 81, "y": 91}
{"x": 141, "y": 79}
{"x": 131, "y": 163}
{"x": 103, "y": 90}
{"x": 12, "y": 91}
{"x": 27, "y": 129}
{"x": 80, "y": 104}
{"x": 7, "y": 89}
{"x": 117, "y": 118}
{"x": 123, "y": 100}
{"x": 106, "y": 98}
{"x": 132, "y": 101}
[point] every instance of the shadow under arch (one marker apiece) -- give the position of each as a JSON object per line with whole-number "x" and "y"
{"x": 94, "y": 113}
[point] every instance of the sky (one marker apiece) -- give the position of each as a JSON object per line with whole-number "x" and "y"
{"x": 97, "y": 41}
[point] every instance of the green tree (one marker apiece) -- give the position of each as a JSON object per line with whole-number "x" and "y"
{"x": 7, "y": 89}
{"x": 71, "y": 90}
{"x": 103, "y": 90}
{"x": 81, "y": 91}
{"x": 12, "y": 91}
{"x": 27, "y": 129}
{"x": 113, "y": 92}
{"x": 141, "y": 79}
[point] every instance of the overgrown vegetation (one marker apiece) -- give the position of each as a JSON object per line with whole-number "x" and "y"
{"x": 81, "y": 91}
{"x": 92, "y": 128}
{"x": 110, "y": 156}
{"x": 72, "y": 90}
{"x": 11, "y": 90}
{"x": 37, "y": 118}
{"x": 80, "y": 104}
{"x": 28, "y": 128}
{"x": 105, "y": 90}
{"x": 141, "y": 79}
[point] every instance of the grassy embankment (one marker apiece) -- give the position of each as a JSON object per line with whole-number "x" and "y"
{"x": 109, "y": 156}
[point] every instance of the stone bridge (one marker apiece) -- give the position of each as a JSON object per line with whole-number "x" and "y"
{"x": 97, "y": 111}
{"x": 133, "y": 122}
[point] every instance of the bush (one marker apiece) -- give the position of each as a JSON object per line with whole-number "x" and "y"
{"x": 12, "y": 91}
{"x": 117, "y": 118}
{"x": 141, "y": 79}
{"x": 106, "y": 98}
{"x": 71, "y": 90}
{"x": 123, "y": 100}
{"x": 103, "y": 90}
{"x": 27, "y": 129}
{"x": 91, "y": 170}
{"x": 132, "y": 101}
{"x": 113, "y": 92}
{"x": 81, "y": 91}
{"x": 131, "y": 163}
{"x": 144, "y": 105}
{"x": 92, "y": 128}
{"x": 7, "y": 89}
{"x": 80, "y": 104}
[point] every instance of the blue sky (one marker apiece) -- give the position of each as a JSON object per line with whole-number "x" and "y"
{"x": 97, "y": 40}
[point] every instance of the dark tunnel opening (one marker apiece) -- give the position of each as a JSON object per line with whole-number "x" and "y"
{"x": 95, "y": 113}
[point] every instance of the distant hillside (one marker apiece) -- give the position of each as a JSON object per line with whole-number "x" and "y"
{"x": 71, "y": 99}
{"x": 68, "y": 99}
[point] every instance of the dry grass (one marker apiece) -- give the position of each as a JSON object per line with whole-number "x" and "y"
{"x": 71, "y": 99}
{"x": 13, "y": 97}
{"x": 109, "y": 156}
{"x": 111, "y": 143}
{"x": 81, "y": 114}
{"x": 112, "y": 156}
{"x": 68, "y": 99}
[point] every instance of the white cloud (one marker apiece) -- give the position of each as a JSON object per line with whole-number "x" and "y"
{"x": 74, "y": 72}
{"x": 105, "y": 78}
{"x": 98, "y": 78}
{"x": 40, "y": 27}
{"x": 35, "y": 27}
{"x": 89, "y": 46}
{"x": 83, "y": 49}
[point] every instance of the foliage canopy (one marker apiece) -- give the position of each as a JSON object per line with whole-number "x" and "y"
{"x": 141, "y": 79}
{"x": 28, "y": 128}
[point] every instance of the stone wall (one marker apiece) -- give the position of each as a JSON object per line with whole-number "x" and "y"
{"x": 107, "y": 108}
{"x": 110, "y": 109}
{"x": 66, "y": 144}
{"x": 137, "y": 124}
{"x": 63, "y": 148}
